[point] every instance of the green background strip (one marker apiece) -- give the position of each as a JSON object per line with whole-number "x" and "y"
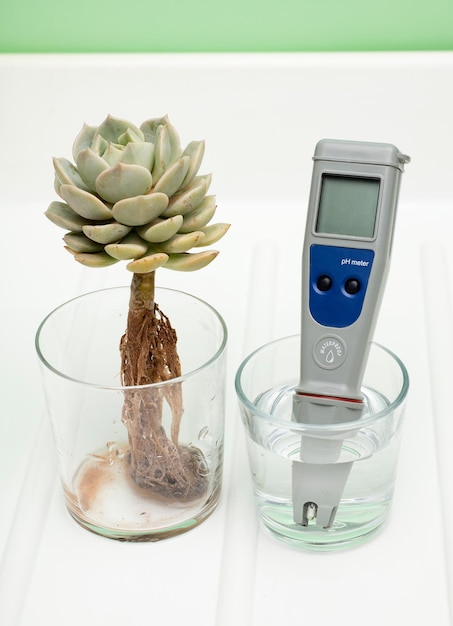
{"x": 233, "y": 26}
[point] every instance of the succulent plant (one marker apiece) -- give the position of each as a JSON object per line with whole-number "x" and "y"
{"x": 134, "y": 195}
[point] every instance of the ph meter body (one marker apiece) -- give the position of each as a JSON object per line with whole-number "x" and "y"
{"x": 346, "y": 257}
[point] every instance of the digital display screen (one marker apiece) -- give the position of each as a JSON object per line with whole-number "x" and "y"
{"x": 348, "y": 206}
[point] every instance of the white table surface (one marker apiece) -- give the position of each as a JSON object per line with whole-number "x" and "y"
{"x": 261, "y": 116}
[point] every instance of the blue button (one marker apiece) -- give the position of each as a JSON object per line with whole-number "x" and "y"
{"x": 324, "y": 283}
{"x": 352, "y": 286}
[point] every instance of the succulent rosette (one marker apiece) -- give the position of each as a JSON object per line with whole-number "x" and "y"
{"x": 134, "y": 195}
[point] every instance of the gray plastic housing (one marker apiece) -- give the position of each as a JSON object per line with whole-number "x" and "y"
{"x": 348, "y": 159}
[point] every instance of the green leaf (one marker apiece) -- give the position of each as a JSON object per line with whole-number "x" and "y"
{"x": 97, "y": 259}
{"x": 160, "y": 230}
{"x": 181, "y": 243}
{"x": 200, "y": 216}
{"x": 212, "y": 234}
{"x": 106, "y": 233}
{"x": 150, "y": 130}
{"x": 190, "y": 198}
{"x": 112, "y": 128}
{"x": 99, "y": 145}
{"x": 131, "y": 247}
{"x": 190, "y": 262}
{"x": 195, "y": 152}
{"x": 62, "y": 215}
{"x": 147, "y": 264}
{"x": 79, "y": 243}
{"x": 123, "y": 181}
{"x": 90, "y": 165}
{"x": 83, "y": 140}
{"x": 85, "y": 204}
{"x": 113, "y": 154}
{"x": 175, "y": 144}
{"x": 139, "y": 154}
{"x": 162, "y": 152}
{"x": 67, "y": 173}
{"x": 132, "y": 135}
{"x": 140, "y": 210}
{"x": 172, "y": 178}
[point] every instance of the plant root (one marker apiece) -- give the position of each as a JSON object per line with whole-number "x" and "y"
{"x": 149, "y": 356}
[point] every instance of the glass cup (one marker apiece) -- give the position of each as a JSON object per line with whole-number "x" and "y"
{"x": 364, "y": 452}
{"x": 78, "y": 348}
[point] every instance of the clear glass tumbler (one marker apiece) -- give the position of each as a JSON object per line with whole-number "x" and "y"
{"x": 78, "y": 348}
{"x": 265, "y": 384}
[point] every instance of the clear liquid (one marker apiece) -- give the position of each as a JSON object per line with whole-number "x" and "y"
{"x": 366, "y": 498}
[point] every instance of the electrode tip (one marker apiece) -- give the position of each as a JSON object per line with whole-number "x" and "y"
{"x": 310, "y": 512}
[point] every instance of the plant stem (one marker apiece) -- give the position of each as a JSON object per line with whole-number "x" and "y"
{"x": 142, "y": 291}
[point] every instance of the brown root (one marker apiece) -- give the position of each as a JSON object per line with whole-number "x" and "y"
{"x": 149, "y": 355}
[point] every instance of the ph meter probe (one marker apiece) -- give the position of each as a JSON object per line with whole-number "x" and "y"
{"x": 346, "y": 257}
